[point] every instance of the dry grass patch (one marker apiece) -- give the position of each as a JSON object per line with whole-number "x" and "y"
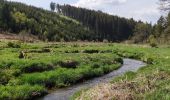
{"x": 125, "y": 90}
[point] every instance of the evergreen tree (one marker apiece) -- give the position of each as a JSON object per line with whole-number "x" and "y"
{"x": 52, "y": 6}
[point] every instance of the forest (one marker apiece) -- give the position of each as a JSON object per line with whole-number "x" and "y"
{"x": 19, "y": 18}
{"x": 80, "y": 24}
{"x": 114, "y": 28}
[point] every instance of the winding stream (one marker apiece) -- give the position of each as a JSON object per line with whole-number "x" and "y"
{"x": 65, "y": 93}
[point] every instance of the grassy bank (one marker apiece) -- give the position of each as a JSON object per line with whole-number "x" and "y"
{"x": 43, "y": 66}
{"x": 149, "y": 83}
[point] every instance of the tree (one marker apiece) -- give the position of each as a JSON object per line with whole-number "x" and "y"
{"x": 58, "y": 8}
{"x": 142, "y": 32}
{"x": 164, "y": 5}
{"x": 52, "y": 6}
{"x": 160, "y": 26}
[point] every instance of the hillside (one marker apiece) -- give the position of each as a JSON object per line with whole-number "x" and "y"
{"x": 47, "y": 25}
{"x": 80, "y": 24}
{"x": 110, "y": 27}
{"x": 114, "y": 28}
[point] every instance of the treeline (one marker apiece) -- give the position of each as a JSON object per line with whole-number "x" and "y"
{"x": 112, "y": 28}
{"x": 162, "y": 30}
{"x": 158, "y": 33}
{"x": 19, "y": 18}
{"x": 80, "y": 24}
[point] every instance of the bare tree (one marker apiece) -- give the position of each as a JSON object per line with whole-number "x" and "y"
{"x": 164, "y": 5}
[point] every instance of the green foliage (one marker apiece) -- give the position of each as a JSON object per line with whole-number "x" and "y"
{"x": 21, "y": 92}
{"x": 13, "y": 45}
{"x": 52, "y": 6}
{"x": 106, "y": 27}
{"x": 152, "y": 41}
{"x": 150, "y": 82}
{"x": 46, "y": 25}
{"x": 141, "y": 32}
{"x": 45, "y": 68}
{"x": 36, "y": 67}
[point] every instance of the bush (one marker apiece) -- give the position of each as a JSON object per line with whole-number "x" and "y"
{"x": 68, "y": 64}
{"x": 46, "y": 50}
{"x": 74, "y": 51}
{"x": 119, "y": 60}
{"x": 36, "y": 67}
{"x": 13, "y": 45}
{"x": 91, "y": 51}
{"x": 149, "y": 61}
{"x": 153, "y": 45}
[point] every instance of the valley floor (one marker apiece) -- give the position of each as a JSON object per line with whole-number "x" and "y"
{"x": 149, "y": 83}
{"x": 30, "y": 70}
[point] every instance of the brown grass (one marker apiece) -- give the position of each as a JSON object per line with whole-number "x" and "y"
{"x": 10, "y": 36}
{"x": 124, "y": 90}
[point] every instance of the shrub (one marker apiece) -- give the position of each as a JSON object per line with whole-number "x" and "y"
{"x": 36, "y": 67}
{"x": 13, "y": 45}
{"x": 46, "y": 50}
{"x": 91, "y": 51}
{"x": 95, "y": 65}
{"x": 153, "y": 45}
{"x": 68, "y": 64}
{"x": 119, "y": 60}
{"x": 74, "y": 51}
{"x": 106, "y": 51}
{"x": 149, "y": 61}
{"x": 4, "y": 78}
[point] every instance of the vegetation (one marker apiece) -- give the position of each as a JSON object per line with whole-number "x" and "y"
{"x": 19, "y": 18}
{"x": 151, "y": 82}
{"x": 74, "y": 24}
{"x": 32, "y": 69}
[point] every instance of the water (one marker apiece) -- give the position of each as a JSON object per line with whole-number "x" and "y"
{"x": 66, "y": 93}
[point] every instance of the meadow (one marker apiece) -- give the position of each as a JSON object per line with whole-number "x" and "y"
{"x": 31, "y": 70}
{"x": 148, "y": 83}
{"x": 48, "y": 66}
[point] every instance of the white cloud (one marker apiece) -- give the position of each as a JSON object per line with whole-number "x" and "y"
{"x": 150, "y": 13}
{"x": 145, "y": 10}
{"x": 93, "y": 4}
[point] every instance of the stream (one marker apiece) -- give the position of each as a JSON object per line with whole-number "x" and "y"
{"x": 66, "y": 93}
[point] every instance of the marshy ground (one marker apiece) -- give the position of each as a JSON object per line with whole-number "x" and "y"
{"x": 45, "y": 66}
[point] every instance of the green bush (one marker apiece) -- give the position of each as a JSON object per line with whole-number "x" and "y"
{"x": 119, "y": 60}
{"x": 13, "y": 45}
{"x": 153, "y": 45}
{"x": 91, "y": 51}
{"x": 68, "y": 64}
{"x": 36, "y": 67}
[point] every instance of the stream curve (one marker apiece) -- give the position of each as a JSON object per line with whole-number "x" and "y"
{"x": 66, "y": 93}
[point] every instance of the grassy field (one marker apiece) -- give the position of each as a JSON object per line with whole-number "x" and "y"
{"x": 56, "y": 65}
{"x": 149, "y": 83}
{"x": 45, "y": 66}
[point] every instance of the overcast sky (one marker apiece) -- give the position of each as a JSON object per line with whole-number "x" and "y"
{"x": 145, "y": 10}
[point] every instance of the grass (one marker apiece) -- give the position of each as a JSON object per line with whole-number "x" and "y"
{"x": 57, "y": 65}
{"x": 149, "y": 83}
{"x": 51, "y": 65}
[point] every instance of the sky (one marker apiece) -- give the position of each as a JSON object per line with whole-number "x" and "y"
{"x": 145, "y": 10}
